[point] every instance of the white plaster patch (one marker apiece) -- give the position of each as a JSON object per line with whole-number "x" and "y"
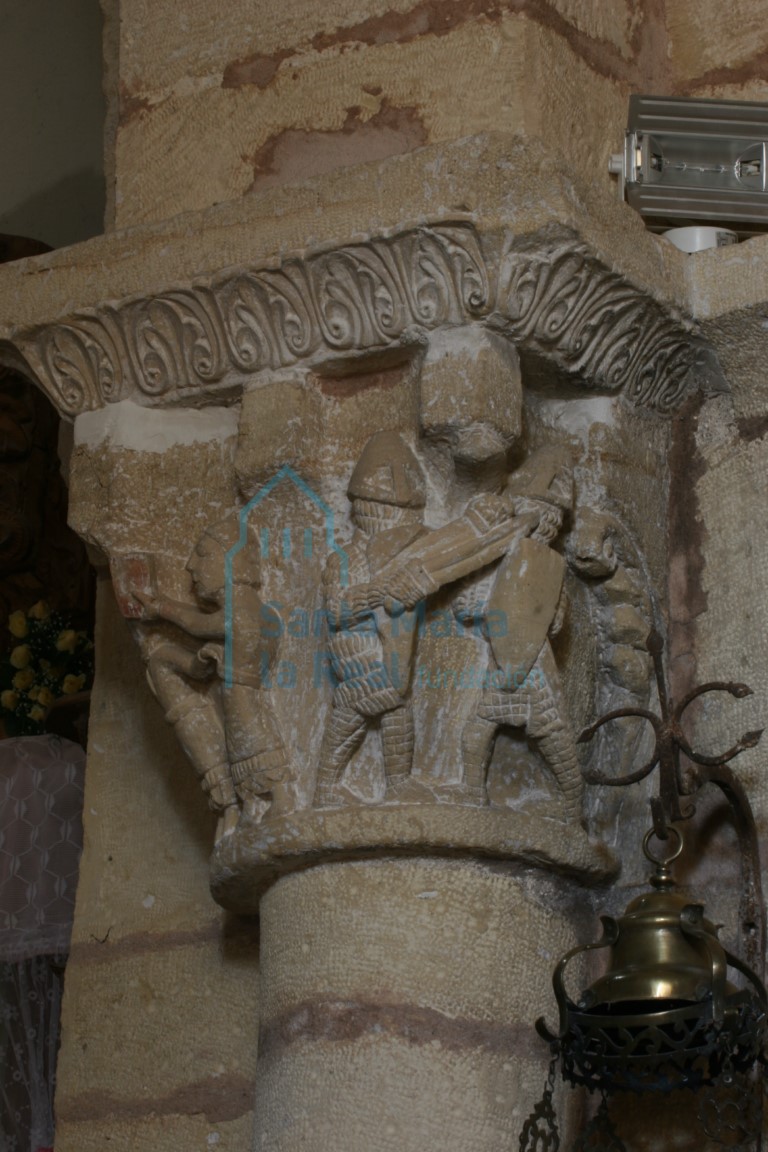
{"x": 579, "y": 416}
{"x": 148, "y": 901}
{"x": 129, "y": 425}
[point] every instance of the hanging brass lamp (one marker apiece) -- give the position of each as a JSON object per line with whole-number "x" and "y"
{"x": 664, "y": 1015}
{"x": 673, "y": 1009}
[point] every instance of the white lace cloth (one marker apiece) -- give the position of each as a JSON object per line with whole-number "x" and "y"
{"x": 41, "y": 837}
{"x": 41, "y": 797}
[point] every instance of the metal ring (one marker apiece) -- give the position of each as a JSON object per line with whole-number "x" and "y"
{"x": 662, "y": 860}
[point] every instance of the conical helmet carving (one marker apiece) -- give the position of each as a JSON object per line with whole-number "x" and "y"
{"x": 388, "y": 473}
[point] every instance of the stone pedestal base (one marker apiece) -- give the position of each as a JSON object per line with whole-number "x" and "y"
{"x": 397, "y": 1005}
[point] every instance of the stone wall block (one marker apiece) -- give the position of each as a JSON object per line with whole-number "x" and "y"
{"x": 161, "y": 985}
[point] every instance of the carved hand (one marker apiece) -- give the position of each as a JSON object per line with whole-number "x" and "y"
{"x": 355, "y": 601}
{"x": 150, "y": 602}
{"x": 217, "y": 782}
{"x": 406, "y": 585}
{"x": 364, "y": 597}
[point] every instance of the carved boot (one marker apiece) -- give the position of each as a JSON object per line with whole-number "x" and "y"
{"x": 558, "y": 747}
{"x": 477, "y": 740}
{"x": 343, "y": 735}
{"x": 201, "y": 735}
{"x": 283, "y": 794}
{"x": 228, "y": 820}
{"x": 261, "y": 777}
{"x": 397, "y": 745}
{"x": 222, "y": 798}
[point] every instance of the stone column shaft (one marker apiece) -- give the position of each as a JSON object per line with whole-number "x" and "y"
{"x": 397, "y": 1005}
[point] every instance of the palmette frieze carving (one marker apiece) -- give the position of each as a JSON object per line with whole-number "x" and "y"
{"x": 191, "y": 343}
{"x": 549, "y": 293}
{"x": 556, "y": 298}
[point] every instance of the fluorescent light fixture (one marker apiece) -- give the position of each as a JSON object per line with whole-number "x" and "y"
{"x": 696, "y": 161}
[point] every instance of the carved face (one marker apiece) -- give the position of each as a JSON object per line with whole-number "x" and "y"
{"x": 591, "y": 548}
{"x": 206, "y": 567}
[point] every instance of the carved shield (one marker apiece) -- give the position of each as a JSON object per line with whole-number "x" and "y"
{"x": 524, "y": 601}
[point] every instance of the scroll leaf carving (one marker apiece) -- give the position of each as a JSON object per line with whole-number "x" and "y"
{"x": 81, "y": 363}
{"x": 663, "y": 378}
{"x": 359, "y": 298}
{"x": 557, "y": 299}
{"x": 554, "y": 297}
{"x": 248, "y": 328}
{"x": 289, "y": 303}
{"x": 176, "y": 341}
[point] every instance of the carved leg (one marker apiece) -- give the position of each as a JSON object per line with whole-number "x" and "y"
{"x": 260, "y": 767}
{"x": 198, "y": 725}
{"x": 477, "y": 739}
{"x": 199, "y": 731}
{"x": 397, "y": 745}
{"x": 201, "y": 735}
{"x": 557, "y": 744}
{"x": 548, "y": 726}
{"x": 343, "y": 735}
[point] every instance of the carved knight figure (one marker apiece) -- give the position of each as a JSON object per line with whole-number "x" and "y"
{"x": 372, "y": 651}
{"x": 228, "y": 732}
{"x": 527, "y": 589}
{"x": 392, "y": 564}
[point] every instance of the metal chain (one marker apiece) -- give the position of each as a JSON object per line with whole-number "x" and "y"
{"x": 540, "y": 1132}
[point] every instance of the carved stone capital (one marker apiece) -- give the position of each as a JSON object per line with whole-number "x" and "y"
{"x": 377, "y": 580}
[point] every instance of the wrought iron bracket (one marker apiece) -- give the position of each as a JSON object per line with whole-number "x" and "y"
{"x": 674, "y": 788}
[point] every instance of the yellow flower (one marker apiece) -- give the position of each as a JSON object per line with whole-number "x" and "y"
{"x": 9, "y": 699}
{"x": 45, "y": 697}
{"x": 34, "y": 692}
{"x": 67, "y": 640}
{"x": 40, "y": 611}
{"x": 23, "y": 680}
{"x": 72, "y": 684}
{"x": 20, "y": 656}
{"x": 17, "y": 624}
{"x": 36, "y": 713}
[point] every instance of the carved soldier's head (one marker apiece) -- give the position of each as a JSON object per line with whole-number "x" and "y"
{"x": 207, "y": 565}
{"x": 387, "y": 485}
